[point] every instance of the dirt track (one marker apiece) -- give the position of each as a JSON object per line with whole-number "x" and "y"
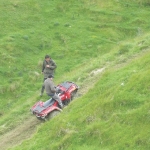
{"x": 19, "y": 134}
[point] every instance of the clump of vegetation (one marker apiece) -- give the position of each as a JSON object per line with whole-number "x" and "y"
{"x": 124, "y": 49}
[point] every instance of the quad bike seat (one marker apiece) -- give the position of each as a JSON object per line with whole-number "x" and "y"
{"x": 46, "y": 104}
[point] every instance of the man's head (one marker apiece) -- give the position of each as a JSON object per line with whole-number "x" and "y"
{"x": 50, "y": 76}
{"x": 47, "y": 58}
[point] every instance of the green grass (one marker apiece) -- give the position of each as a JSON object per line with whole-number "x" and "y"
{"x": 80, "y": 36}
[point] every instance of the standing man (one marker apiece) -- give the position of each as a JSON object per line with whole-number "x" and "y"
{"x": 48, "y": 68}
{"x": 51, "y": 90}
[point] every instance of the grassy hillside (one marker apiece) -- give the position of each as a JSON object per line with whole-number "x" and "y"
{"x": 80, "y": 36}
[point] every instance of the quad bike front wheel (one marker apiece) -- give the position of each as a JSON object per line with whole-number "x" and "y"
{"x": 73, "y": 94}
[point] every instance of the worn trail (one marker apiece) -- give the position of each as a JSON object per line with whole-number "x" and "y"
{"x": 19, "y": 134}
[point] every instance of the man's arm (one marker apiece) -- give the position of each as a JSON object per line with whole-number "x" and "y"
{"x": 43, "y": 66}
{"x": 53, "y": 66}
{"x": 52, "y": 86}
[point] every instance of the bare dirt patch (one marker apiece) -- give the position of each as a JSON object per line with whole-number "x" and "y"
{"x": 97, "y": 71}
{"x": 90, "y": 81}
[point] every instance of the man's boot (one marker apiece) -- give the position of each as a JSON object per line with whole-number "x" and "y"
{"x": 61, "y": 105}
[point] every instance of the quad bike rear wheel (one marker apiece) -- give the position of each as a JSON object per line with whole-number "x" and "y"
{"x": 39, "y": 118}
{"x": 52, "y": 115}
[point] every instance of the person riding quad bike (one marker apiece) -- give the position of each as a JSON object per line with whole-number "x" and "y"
{"x": 51, "y": 90}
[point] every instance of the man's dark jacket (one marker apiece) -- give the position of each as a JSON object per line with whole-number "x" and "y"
{"x": 47, "y": 71}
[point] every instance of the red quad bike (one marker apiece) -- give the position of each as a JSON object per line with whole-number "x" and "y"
{"x": 50, "y": 108}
